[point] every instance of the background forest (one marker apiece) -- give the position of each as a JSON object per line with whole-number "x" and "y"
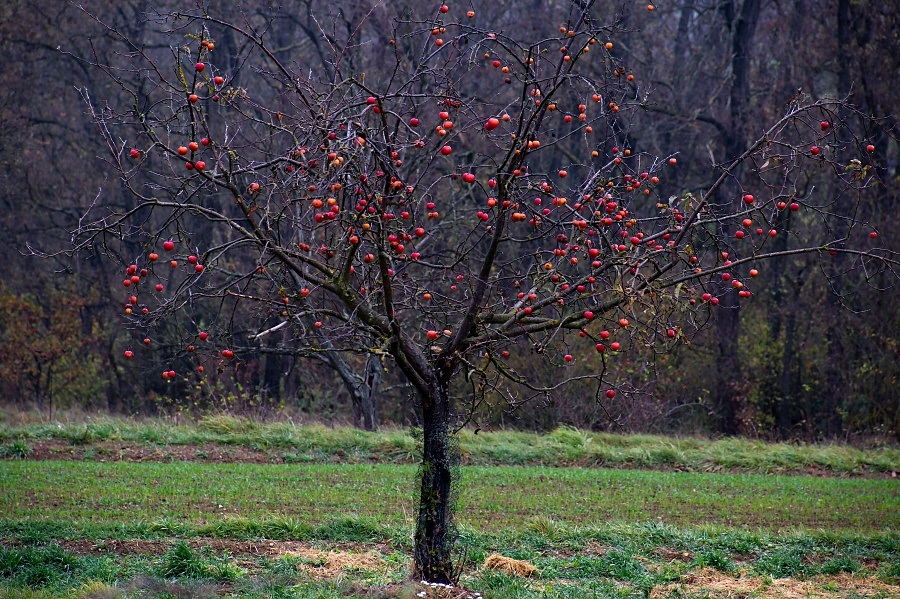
{"x": 813, "y": 356}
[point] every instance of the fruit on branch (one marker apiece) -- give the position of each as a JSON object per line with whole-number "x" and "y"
{"x": 227, "y": 354}
{"x": 200, "y": 67}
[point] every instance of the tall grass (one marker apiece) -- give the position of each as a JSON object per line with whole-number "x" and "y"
{"x": 285, "y": 441}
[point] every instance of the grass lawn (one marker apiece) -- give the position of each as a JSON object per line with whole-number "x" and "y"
{"x": 491, "y": 498}
{"x": 328, "y": 514}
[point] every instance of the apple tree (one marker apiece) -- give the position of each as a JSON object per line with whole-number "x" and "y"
{"x": 462, "y": 190}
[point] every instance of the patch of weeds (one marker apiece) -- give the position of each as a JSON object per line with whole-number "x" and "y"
{"x": 168, "y": 589}
{"x": 18, "y": 450}
{"x": 226, "y": 424}
{"x": 50, "y": 566}
{"x": 889, "y": 572}
{"x": 351, "y": 529}
{"x": 715, "y": 559}
{"x": 840, "y": 564}
{"x": 99, "y": 590}
{"x": 18, "y": 592}
{"x": 782, "y": 562}
{"x": 200, "y": 454}
{"x": 181, "y": 561}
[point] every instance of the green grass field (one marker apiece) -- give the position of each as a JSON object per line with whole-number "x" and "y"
{"x": 336, "y": 521}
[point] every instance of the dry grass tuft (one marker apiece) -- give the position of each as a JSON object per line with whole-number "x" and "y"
{"x": 328, "y": 564}
{"x": 516, "y": 567}
{"x": 720, "y": 585}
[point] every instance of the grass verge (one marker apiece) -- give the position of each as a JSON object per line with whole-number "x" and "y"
{"x": 103, "y": 438}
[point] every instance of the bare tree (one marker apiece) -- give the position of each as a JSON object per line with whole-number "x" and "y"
{"x": 460, "y": 193}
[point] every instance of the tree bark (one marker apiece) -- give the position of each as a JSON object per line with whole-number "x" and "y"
{"x": 741, "y": 22}
{"x": 435, "y": 534}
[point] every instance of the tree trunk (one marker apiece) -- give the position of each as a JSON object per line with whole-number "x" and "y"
{"x": 435, "y": 532}
{"x": 741, "y": 21}
{"x": 368, "y": 404}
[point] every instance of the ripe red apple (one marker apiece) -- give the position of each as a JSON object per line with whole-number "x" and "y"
{"x": 199, "y": 66}
{"x": 870, "y": 148}
{"x": 615, "y": 346}
{"x": 824, "y": 125}
{"x": 198, "y": 268}
{"x": 159, "y": 287}
{"x": 147, "y": 341}
{"x": 200, "y": 165}
{"x": 795, "y": 207}
{"x": 129, "y": 354}
{"x": 468, "y": 177}
{"x": 600, "y": 348}
{"x": 446, "y": 150}
{"x": 623, "y": 322}
{"x": 873, "y": 235}
{"x": 610, "y": 393}
{"x": 193, "y": 146}
{"x": 135, "y": 153}
{"x": 492, "y": 123}
{"x": 749, "y": 198}
{"x": 154, "y": 256}
{"x": 814, "y": 150}
{"x": 227, "y": 354}
{"x": 203, "y": 335}
{"x": 168, "y": 246}
{"x": 670, "y": 333}
{"x": 588, "y": 315}
{"x": 567, "y": 357}
{"x": 445, "y": 8}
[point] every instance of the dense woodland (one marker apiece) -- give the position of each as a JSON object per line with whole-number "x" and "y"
{"x": 813, "y": 356}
